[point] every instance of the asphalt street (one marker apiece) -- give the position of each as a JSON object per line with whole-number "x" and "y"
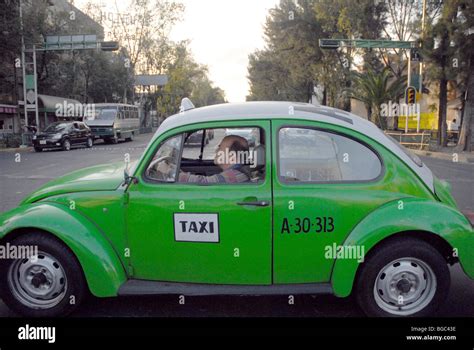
{"x": 22, "y": 172}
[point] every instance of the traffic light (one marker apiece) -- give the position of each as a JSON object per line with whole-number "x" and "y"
{"x": 415, "y": 55}
{"x": 410, "y": 95}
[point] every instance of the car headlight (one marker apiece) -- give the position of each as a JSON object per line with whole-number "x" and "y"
{"x": 56, "y": 136}
{"x": 34, "y": 137}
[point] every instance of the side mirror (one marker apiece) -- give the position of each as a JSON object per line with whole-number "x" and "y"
{"x": 127, "y": 178}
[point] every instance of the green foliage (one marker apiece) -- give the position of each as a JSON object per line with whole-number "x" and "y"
{"x": 449, "y": 53}
{"x": 186, "y": 79}
{"x": 374, "y": 89}
{"x": 95, "y": 76}
{"x": 292, "y": 64}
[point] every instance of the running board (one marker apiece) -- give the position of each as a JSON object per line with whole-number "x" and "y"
{"x": 141, "y": 287}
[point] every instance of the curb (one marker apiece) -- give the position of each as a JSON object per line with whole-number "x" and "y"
{"x": 461, "y": 156}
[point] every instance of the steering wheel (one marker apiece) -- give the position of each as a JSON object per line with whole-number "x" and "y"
{"x": 154, "y": 173}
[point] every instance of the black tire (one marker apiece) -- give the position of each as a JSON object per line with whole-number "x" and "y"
{"x": 392, "y": 250}
{"x": 75, "y": 286}
{"x": 130, "y": 138}
{"x": 66, "y": 145}
{"x": 38, "y": 149}
{"x": 111, "y": 140}
{"x": 89, "y": 142}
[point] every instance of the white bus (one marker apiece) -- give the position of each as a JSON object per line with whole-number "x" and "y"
{"x": 112, "y": 122}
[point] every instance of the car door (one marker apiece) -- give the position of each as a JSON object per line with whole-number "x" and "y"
{"x": 326, "y": 181}
{"x": 84, "y": 132}
{"x": 75, "y": 134}
{"x": 215, "y": 233}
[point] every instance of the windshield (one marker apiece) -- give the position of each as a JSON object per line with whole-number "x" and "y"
{"x": 103, "y": 114}
{"x": 56, "y": 127}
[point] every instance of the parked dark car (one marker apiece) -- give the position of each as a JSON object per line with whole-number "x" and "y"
{"x": 63, "y": 135}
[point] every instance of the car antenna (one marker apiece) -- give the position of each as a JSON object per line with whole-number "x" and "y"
{"x": 186, "y": 105}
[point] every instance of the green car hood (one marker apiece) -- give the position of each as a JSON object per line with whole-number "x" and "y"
{"x": 97, "y": 178}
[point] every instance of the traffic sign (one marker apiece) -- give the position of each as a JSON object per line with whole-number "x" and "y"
{"x": 109, "y": 46}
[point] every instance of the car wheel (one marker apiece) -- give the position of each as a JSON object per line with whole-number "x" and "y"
{"x": 403, "y": 277}
{"x": 131, "y": 137}
{"x": 89, "y": 142}
{"x": 66, "y": 145}
{"x": 48, "y": 284}
{"x": 38, "y": 149}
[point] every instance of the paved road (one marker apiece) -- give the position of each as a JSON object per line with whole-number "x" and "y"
{"x": 17, "y": 179}
{"x": 22, "y": 172}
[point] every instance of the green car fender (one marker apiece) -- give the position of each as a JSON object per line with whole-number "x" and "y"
{"x": 405, "y": 215}
{"x": 102, "y": 268}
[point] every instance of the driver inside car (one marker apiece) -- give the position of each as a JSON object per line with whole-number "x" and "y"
{"x": 232, "y": 171}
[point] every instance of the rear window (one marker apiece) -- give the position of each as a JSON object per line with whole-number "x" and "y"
{"x": 405, "y": 150}
{"x": 309, "y": 155}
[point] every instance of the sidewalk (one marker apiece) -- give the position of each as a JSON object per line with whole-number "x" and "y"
{"x": 15, "y": 150}
{"x": 447, "y": 154}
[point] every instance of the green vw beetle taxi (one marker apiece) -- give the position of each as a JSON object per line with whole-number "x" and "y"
{"x": 285, "y": 198}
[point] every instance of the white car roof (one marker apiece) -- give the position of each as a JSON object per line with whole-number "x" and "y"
{"x": 292, "y": 110}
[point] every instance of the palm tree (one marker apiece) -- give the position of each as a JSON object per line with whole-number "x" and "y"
{"x": 374, "y": 89}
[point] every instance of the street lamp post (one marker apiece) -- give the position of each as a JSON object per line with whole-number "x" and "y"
{"x": 23, "y": 69}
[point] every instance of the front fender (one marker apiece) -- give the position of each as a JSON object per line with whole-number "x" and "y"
{"x": 410, "y": 214}
{"x": 102, "y": 267}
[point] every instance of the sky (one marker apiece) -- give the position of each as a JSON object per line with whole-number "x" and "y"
{"x": 222, "y": 34}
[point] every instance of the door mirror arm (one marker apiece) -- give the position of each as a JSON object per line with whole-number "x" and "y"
{"x": 128, "y": 179}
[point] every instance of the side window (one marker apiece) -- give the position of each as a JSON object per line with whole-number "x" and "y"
{"x": 231, "y": 155}
{"x": 308, "y": 155}
{"x": 165, "y": 162}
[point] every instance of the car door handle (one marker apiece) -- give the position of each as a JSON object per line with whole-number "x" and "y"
{"x": 255, "y": 203}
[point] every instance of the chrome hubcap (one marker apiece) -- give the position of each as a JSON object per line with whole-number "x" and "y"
{"x": 405, "y": 286}
{"x": 38, "y": 282}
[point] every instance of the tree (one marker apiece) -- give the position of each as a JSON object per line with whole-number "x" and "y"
{"x": 464, "y": 41}
{"x": 375, "y": 89}
{"x": 292, "y": 63}
{"x": 403, "y": 23}
{"x": 345, "y": 20}
{"x": 440, "y": 52}
{"x": 205, "y": 94}
{"x": 9, "y": 49}
{"x": 186, "y": 78}
{"x": 291, "y": 55}
{"x": 465, "y": 135}
{"x": 268, "y": 78}
{"x": 140, "y": 28}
